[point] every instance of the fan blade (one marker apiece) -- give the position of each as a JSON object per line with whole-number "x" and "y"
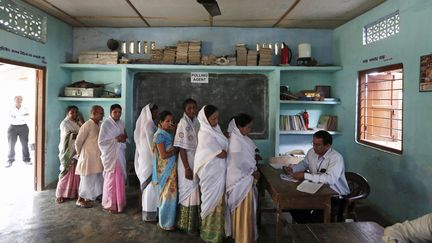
{"x": 211, "y": 6}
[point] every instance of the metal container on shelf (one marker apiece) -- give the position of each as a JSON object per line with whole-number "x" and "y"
{"x": 98, "y": 57}
{"x": 83, "y": 92}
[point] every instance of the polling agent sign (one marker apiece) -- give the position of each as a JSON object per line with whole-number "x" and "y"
{"x": 199, "y": 77}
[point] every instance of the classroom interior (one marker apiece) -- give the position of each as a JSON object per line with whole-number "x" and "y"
{"x": 398, "y": 177}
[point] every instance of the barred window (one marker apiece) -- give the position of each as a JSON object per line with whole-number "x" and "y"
{"x": 381, "y": 28}
{"x": 379, "y": 119}
{"x": 19, "y": 20}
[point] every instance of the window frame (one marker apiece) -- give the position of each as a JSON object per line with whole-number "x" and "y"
{"x": 361, "y": 75}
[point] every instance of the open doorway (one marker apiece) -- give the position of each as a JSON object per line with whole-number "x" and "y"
{"x": 21, "y": 172}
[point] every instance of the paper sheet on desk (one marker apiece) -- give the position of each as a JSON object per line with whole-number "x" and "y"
{"x": 288, "y": 178}
{"x": 309, "y": 187}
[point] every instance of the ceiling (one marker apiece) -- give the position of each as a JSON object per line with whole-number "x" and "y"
{"x": 327, "y": 14}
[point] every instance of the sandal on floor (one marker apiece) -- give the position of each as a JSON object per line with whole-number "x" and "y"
{"x": 59, "y": 200}
{"x": 166, "y": 229}
{"x": 83, "y": 204}
{"x": 110, "y": 211}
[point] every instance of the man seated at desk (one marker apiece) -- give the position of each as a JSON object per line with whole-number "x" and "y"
{"x": 322, "y": 164}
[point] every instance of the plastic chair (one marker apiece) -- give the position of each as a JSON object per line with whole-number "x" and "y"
{"x": 360, "y": 189}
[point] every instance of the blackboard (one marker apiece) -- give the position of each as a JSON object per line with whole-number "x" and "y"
{"x": 231, "y": 93}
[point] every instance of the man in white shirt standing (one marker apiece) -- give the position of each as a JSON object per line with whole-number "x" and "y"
{"x": 18, "y": 128}
{"x": 322, "y": 164}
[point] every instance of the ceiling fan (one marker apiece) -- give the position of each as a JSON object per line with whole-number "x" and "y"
{"x": 211, "y": 6}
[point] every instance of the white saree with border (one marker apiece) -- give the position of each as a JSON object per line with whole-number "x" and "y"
{"x": 187, "y": 138}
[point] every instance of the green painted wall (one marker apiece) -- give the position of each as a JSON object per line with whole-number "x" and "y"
{"x": 57, "y": 49}
{"x": 400, "y": 183}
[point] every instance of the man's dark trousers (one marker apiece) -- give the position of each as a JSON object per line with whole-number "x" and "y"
{"x": 21, "y": 131}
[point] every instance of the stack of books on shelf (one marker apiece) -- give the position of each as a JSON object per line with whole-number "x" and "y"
{"x": 157, "y": 56}
{"x": 208, "y": 60}
{"x": 182, "y": 52}
{"x": 327, "y": 122}
{"x": 169, "y": 55}
{"x": 241, "y": 53}
{"x": 265, "y": 57}
{"x": 194, "y": 52}
{"x": 292, "y": 123}
{"x": 252, "y": 58}
{"x": 232, "y": 60}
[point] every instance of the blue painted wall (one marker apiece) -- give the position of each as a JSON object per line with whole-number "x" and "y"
{"x": 57, "y": 49}
{"x": 217, "y": 40}
{"x": 400, "y": 183}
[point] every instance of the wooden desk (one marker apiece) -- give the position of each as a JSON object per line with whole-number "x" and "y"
{"x": 285, "y": 196}
{"x": 357, "y": 232}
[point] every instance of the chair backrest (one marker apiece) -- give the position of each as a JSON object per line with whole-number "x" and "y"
{"x": 358, "y": 185}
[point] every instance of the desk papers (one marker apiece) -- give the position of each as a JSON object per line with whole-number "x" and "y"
{"x": 309, "y": 187}
{"x": 288, "y": 178}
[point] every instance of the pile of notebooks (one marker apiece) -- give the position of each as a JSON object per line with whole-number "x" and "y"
{"x": 252, "y": 58}
{"x": 241, "y": 53}
{"x": 182, "y": 52}
{"x": 194, "y": 52}
{"x": 169, "y": 55}
{"x": 156, "y": 56}
{"x": 265, "y": 57}
{"x": 232, "y": 60}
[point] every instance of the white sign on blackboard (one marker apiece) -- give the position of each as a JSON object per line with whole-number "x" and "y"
{"x": 199, "y": 77}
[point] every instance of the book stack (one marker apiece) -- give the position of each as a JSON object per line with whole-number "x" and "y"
{"x": 169, "y": 55}
{"x": 252, "y": 58}
{"x": 194, "y": 52}
{"x": 157, "y": 56}
{"x": 182, "y": 52}
{"x": 241, "y": 52}
{"x": 265, "y": 57}
{"x": 232, "y": 60}
{"x": 292, "y": 123}
{"x": 327, "y": 122}
{"x": 208, "y": 60}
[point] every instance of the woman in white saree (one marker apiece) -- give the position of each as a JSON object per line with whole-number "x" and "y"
{"x": 241, "y": 192}
{"x": 143, "y": 137}
{"x": 112, "y": 144}
{"x": 210, "y": 167}
{"x": 186, "y": 139}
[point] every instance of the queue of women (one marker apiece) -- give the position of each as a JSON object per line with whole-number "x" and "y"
{"x": 193, "y": 177}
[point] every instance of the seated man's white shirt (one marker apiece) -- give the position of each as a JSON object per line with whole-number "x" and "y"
{"x": 333, "y": 164}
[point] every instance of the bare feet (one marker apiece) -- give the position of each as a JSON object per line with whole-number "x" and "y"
{"x": 59, "y": 200}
